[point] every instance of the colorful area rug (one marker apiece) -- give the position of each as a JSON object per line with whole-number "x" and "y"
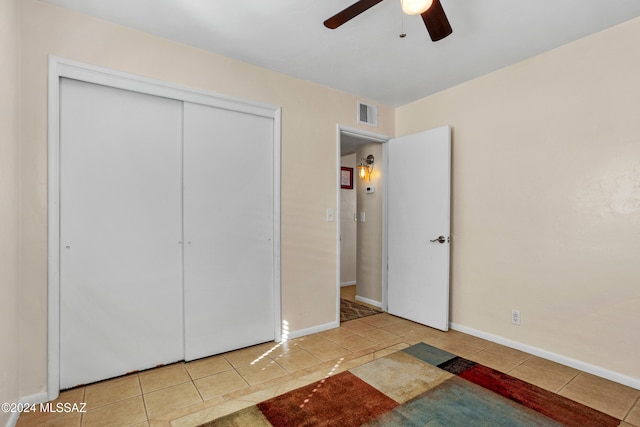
{"x": 419, "y": 386}
{"x": 350, "y": 310}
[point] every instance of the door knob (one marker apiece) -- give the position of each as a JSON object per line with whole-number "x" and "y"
{"x": 440, "y": 239}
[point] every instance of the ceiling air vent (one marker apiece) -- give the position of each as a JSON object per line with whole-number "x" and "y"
{"x": 367, "y": 114}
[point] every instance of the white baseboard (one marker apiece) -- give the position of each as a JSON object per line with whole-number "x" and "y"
{"x": 369, "y": 301}
{"x": 13, "y": 419}
{"x": 31, "y": 400}
{"x": 558, "y": 358}
{"x": 314, "y": 329}
{"x": 343, "y": 284}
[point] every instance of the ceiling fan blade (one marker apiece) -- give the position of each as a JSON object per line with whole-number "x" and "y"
{"x": 436, "y": 22}
{"x": 349, "y": 13}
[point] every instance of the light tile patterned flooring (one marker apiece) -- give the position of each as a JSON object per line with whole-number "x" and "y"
{"x": 187, "y": 394}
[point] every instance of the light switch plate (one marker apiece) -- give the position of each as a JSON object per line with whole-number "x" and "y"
{"x": 329, "y": 215}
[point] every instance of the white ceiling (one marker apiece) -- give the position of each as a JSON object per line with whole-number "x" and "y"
{"x": 365, "y": 56}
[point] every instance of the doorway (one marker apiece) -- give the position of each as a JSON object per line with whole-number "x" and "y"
{"x": 361, "y": 219}
{"x": 414, "y": 224}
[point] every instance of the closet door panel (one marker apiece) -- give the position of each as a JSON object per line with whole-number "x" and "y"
{"x": 228, "y": 212}
{"x": 121, "y": 260}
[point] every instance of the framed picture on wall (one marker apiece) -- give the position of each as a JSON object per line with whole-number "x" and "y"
{"x": 346, "y": 178}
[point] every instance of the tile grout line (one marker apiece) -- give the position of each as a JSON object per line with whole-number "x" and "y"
{"x": 569, "y": 382}
{"x": 84, "y": 396}
{"x": 240, "y": 375}
{"x": 529, "y": 357}
{"x": 631, "y": 408}
{"x": 193, "y": 381}
{"x": 144, "y": 401}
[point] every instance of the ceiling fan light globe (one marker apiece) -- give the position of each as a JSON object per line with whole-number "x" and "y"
{"x": 415, "y": 7}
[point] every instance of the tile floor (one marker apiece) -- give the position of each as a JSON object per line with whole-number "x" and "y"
{"x": 187, "y": 394}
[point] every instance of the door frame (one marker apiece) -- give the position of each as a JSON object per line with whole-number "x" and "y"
{"x": 373, "y": 137}
{"x": 65, "y": 68}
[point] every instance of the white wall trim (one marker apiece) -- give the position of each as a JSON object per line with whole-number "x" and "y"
{"x": 59, "y": 68}
{"x": 369, "y": 301}
{"x": 338, "y": 223}
{"x": 343, "y": 284}
{"x": 33, "y": 399}
{"x": 277, "y": 259}
{"x": 385, "y": 228}
{"x": 359, "y": 133}
{"x": 13, "y": 419}
{"x": 314, "y": 329}
{"x": 71, "y": 69}
{"x": 558, "y": 358}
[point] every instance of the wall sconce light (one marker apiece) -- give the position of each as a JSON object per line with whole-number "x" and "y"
{"x": 366, "y": 167}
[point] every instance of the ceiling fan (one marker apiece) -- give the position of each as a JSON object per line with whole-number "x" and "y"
{"x": 431, "y": 11}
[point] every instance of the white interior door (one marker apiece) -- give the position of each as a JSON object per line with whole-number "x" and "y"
{"x": 120, "y": 228}
{"x": 229, "y": 230}
{"x": 419, "y": 189}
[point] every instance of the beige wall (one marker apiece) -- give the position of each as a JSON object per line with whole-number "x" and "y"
{"x": 546, "y": 198}
{"x": 369, "y": 264}
{"x": 348, "y": 227}
{"x": 9, "y": 198}
{"x": 310, "y": 114}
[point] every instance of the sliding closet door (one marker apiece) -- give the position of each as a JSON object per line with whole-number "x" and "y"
{"x": 228, "y": 226}
{"x": 120, "y": 232}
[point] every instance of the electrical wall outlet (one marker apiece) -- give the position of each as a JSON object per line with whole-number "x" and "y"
{"x": 515, "y": 317}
